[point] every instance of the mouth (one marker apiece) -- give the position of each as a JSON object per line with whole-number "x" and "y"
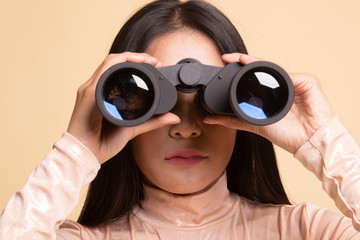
{"x": 186, "y": 157}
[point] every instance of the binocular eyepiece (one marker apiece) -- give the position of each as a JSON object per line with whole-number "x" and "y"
{"x": 260, "y": 93}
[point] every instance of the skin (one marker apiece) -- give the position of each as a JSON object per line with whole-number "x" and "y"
{"x": 310, "y": 111}
{"x": 214, "y": 141}
{"x": 186, "y": 126}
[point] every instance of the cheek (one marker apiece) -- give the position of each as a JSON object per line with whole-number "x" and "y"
{"x": 151, "y": 148}
{"x": 148, "y": 149}
{"x": 222, "y": 141}
{"x": 222, "y": 144}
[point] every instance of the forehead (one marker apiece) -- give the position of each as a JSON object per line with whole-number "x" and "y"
{"x": 172, "y": 47}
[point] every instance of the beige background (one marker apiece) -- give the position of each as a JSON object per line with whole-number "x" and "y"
{"x": 48, "y": 48}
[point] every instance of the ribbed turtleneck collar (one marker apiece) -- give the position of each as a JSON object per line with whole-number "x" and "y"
{"x": 165, "y": 208}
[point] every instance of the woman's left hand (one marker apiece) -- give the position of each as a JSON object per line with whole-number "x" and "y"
{"x": 309, "y": 112}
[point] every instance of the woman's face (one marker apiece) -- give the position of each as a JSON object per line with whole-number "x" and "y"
{"x": 189, "y": 156}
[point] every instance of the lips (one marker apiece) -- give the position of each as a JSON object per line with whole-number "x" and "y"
{"x": 186, "y": 157}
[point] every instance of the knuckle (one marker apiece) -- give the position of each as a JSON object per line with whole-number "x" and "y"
{"x": 303, "y": 79}
{"x": 109, "y": 60}
{"x": 233, "y": 121}
{"x": 85, "y": 91}
{"x": 80, "y": 91}
{"x": 89, "y": 92}
{"x": 312, "y": 80}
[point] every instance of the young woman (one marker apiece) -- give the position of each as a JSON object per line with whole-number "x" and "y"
{"x": 187, "y": 174}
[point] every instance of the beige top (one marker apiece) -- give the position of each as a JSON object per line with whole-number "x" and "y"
{"x": 53, "y": 190}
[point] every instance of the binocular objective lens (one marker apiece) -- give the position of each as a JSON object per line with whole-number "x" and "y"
{"x": 260, "y": 94}
{"x": 128, "y": 96}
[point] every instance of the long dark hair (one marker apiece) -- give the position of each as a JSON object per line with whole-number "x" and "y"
{"x": 252, "y": 171}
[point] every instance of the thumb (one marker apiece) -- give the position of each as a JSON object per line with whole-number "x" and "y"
{"x": 156, "y": 122}
{"x": 230, "y": 122}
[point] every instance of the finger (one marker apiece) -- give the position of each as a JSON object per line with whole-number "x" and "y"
{"x": 301, "y": 80}
{"x": 141, "y": 58}
{"x": 227, "y": 121}
{"x": 239, "y": 57}
{"x": 156, "y": 122}
{"x": 234, "y": 123}
{"x": 88, "y": 88}
{"x": 113, "y": 59}
{"x": 159, "y": 64}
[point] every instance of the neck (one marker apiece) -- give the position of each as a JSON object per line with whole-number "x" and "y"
{"x": 192, "y": 209}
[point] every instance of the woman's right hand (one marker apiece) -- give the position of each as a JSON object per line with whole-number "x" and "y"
{"x": 87, "y": 125}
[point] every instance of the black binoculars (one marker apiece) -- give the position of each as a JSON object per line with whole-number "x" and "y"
{"x": 260, "y": 93}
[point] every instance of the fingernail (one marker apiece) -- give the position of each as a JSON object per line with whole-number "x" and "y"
{"x": 208, "y": 121}
{"x": 174, "y": 118}
{"x": 246, "y": 58}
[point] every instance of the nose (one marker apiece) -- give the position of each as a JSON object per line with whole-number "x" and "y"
{"x": 190, "y": 115}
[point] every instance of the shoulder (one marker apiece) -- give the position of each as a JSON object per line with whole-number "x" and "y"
{"x": 305, "y": 219}
{"x": 117, "y": 229}
{"x": 303, "y": 210}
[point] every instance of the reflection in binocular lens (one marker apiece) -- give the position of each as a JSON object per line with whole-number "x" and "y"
{"x": 128, "y": 96}
{"x": 261, "y": 95}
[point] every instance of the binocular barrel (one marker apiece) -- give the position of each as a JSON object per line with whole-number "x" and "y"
{"x": 260, "y": 93}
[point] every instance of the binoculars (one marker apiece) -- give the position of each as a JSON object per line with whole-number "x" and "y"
{"x": 260, "y": 93}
